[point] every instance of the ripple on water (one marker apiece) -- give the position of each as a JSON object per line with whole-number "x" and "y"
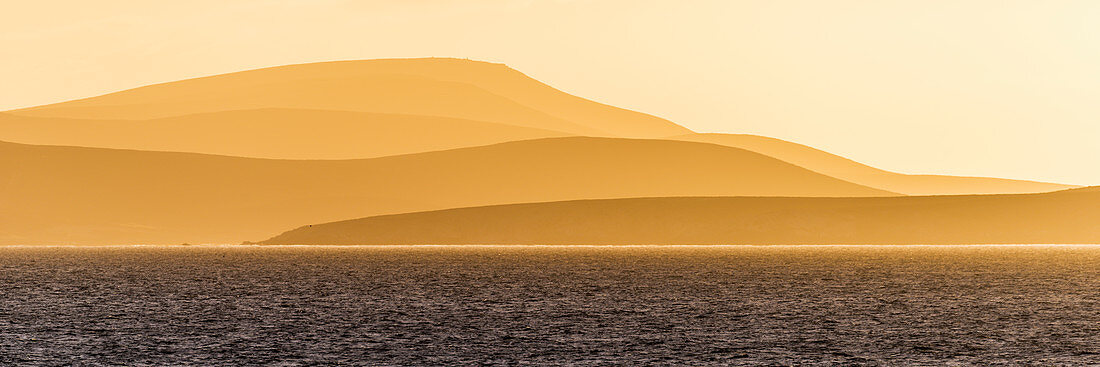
{"x": 445, "y": 305}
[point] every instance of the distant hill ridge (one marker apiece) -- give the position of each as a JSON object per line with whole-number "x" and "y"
{"x": 72, "y": 195}
{"x": 433, "y": 86}
{"x": 353, "y": 139}
{"x": 1067, "y": 217}
{"x": 375, "y": 108}
{"x": 849, "y": 170}
{"x": 280, "y": 133}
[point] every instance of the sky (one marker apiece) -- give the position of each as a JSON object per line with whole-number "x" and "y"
{"x": 1000, "y": 88}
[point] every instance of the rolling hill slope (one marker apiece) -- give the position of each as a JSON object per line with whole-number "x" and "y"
{"x": 849, "y": 170}
{"x": 1066, "y": 217}
{"x": 270, "y": 133}
{"x": 454, "y": 88}
{"x": 54, "y": 195}
{"x": 374, "y": 108}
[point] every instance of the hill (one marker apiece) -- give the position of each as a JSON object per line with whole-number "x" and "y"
{"x": 1061, "y": 217}
{"x": 453, "y": 88}
{"x": 374, "y": 108}
{"x": 849, "y": 170}
{"x": 1084, "y": 189}
{"x": 54, "y": 195}
{"x": 270, "y": 133}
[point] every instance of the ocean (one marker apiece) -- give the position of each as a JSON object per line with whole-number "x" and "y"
{"x": 550, "y": 305}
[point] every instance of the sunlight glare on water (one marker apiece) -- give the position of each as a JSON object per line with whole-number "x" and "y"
{"x": 445, "y": 305}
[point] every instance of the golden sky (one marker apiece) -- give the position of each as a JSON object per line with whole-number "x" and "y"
{"x": 1002, "y": 88}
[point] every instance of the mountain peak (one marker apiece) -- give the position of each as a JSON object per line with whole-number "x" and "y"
{"x": 444, "y": 87}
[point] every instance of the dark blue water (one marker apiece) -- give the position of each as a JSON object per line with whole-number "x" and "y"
{"x": 550, "y": 306}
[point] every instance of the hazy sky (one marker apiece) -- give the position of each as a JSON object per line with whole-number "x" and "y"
{"x": 992, "y": 88}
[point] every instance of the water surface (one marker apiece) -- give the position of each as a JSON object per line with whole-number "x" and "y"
{"x": 736, "y": 305}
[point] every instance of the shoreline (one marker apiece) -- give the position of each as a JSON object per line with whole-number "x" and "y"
{"x": 254, "y": 246}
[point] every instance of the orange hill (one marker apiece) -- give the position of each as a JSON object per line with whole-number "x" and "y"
{"x": 270, "y": 133}
{"x": 849, "y": 170}
{"x": 1086, "y": 189}
{"x": 1060, "y": 217}
{"x": 374, "y": 108}
{"x": 54, "y": 195}
{"x": 453, "y": 88}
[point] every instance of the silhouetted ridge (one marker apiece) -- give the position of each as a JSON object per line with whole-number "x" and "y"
{"x": 1085, "y": 189}
{"x": 272, "y": 133}
{"x": 1062, "y": 217}
{"x": 849, "y": 170}
{"x": 76, "y": 195}
{"x": 434, "y": 87}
